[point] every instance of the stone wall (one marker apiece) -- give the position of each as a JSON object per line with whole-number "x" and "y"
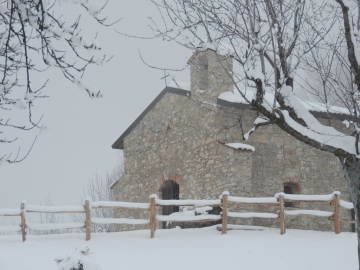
{"x": 192, "y": 154}
{"x": 209, "y": 76}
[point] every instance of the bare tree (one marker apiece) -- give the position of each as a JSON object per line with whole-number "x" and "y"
{"x": 98, "y": 189}
{"x": 47, "y": 218}
{"x": 271, "y": 41}
{"x": 33, "y": 38}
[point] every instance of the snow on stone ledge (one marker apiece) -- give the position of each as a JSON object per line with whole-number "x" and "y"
{"x": 241, "y": 146}
{"x": 235, "y": 97}
{"x": 260, "y": 120}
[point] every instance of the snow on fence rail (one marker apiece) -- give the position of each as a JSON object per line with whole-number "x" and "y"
{"x": 54, "y": 209}
{"x": 120, "y": 205}
{"x": 188, "y": 202}
{"x": 224, "y": 201}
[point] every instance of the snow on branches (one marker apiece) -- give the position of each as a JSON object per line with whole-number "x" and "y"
{"x": 284, "y": 47}
{"x": 33, "y": 38}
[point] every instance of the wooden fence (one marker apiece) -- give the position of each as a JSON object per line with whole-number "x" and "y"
{"x": 225, "y": 200}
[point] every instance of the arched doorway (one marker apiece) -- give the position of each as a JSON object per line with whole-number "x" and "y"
{"x": 169, "y": 191}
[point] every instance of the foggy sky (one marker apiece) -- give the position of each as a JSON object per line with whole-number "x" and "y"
{"x": 81, "y": 130}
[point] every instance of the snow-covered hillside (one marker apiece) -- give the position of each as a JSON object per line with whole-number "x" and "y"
{"x": 188, "y": 249}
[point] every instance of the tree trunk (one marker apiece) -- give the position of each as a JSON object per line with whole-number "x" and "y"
{"x": 352, "y": 174}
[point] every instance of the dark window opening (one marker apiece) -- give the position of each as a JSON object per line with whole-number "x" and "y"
{"x": 215, "y": 211}
{"x": 170, "y": 191}
{"x": 289, "y": 189}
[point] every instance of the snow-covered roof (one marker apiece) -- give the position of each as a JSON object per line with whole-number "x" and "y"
{"x": 309, "y": 105}
{"x": 231, "y": 99}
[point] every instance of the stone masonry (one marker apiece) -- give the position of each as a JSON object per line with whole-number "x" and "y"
{"x": 181, "y": 138}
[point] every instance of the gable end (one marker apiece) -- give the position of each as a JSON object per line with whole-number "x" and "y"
{"x": 119, "y": 143}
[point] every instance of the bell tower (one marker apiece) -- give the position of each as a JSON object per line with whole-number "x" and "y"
{"x": 210, "y": 75}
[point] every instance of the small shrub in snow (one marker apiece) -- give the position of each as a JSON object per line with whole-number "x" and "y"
{"x": 102, "y": 230}
{"x": 80, "y": 260}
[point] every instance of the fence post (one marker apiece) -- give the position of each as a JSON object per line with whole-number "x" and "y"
{"x": 224, "y": 202}
{"x": 23, "y": 221}
{"x": 336, "y": 213}
{"x": 282, "y": 214}
{"x": 88, "y": 219}
{"x": 152, "y": 216}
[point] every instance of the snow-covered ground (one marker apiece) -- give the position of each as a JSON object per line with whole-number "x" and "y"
{"x": 181, "y": 249}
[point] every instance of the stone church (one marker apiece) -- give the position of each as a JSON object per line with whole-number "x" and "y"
{"x": 180, "y": 148}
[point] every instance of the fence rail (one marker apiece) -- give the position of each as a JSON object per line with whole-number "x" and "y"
{"x": 225, "y": 200}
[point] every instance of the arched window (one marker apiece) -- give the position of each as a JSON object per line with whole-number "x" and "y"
{"x": 170, "y": 191}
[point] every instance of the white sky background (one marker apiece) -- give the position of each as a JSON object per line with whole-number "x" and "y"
{"x": 82, "y": 130}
